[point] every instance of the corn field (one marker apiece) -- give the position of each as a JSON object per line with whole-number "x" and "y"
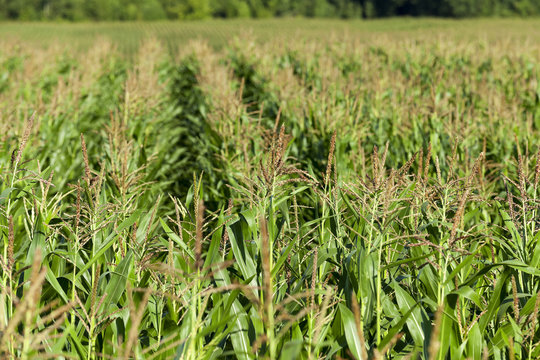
{"x": 344, "y": 197}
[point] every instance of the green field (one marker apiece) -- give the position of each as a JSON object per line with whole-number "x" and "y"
{"x": 218, "y": 33}
{"x": 275, "y": 189}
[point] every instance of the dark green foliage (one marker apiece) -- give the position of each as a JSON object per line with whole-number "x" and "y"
{"x": 74, "y": 10}
{"x": 192, "y": 143}
{"x": 254, "y": 87}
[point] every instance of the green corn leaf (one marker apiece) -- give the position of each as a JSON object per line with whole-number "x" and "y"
{"x": 494, "y": 302}
{"x": 475, "y": 343}
{"x": 291, "y": 350}
{"x": 117, "y": 283}
{"x": 351, "y": 332}
{"x": 414, "y": 320}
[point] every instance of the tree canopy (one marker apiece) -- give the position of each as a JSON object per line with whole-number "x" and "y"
{"x": 75, "y": 10}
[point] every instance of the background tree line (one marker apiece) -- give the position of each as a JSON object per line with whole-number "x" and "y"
{"x": 74, "y": 10}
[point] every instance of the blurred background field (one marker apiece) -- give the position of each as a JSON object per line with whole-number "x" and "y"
{"x": 128, "y": 35}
